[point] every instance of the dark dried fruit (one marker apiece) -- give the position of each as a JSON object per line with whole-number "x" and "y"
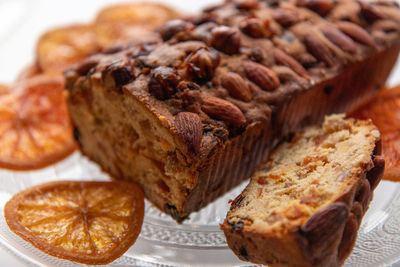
{"x": 255, "y": 28}
{"x": 172, "y": 27}
{"x": 236, "y": 86}
{"x": 284, "y": 59}
{"x": 318, "y": 49}
{"x": 202, "y": 63}
{"x": 83, "y": 67}
{"x": 163, "y": 82}
{"x": 189, "y": 127}
{"x": 261, "y": 75}
{"x": 225, "y": 39}
{"x": 322, "y": 7}
{"x": 117, "y": 75}
{"x": 122, "y": 76}
{"x": 323, "y": 228}
{"x": 356, "y": 33}
{"x": 285, "y": 17}
{"x": 220, "y": 109}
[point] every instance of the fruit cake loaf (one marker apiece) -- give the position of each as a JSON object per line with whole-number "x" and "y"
{"x": 193, "y": 113}
{"x": 303, "y": 207}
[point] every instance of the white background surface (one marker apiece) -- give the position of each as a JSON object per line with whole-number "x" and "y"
{"x": 23, "y": 21}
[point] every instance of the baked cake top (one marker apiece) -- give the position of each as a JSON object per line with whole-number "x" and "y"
{"x": 227, "y": 68}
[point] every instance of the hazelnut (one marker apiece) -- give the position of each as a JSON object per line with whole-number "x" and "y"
{"x": 163, "y": 82}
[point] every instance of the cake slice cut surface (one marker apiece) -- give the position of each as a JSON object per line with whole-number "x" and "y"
{"x": 304, "y": 205}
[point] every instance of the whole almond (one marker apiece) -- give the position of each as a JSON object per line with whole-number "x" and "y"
{"x": 236, "y": 86}
{"x": 324, "y": 227}
{"x": 318, "y": 49}
{"x": 340, "y": 40}
{"x": 188, "y": 126}
{"x": 220, "y": 109}
{"x": 356, "y": 33}
{"x": 284, "y": 59}
{"x": 349, "y": 238}
{"x": 262, "y": 76}
{"x": 285, "y": 17}
{"x": 322, "y": 7}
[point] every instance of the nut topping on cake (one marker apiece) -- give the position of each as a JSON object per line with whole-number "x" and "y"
{"x": 356, "y": 33}
{"x": 220, "y": 109}
{"x": 339, "y": 39}
{"x": 202, "y": 63}
{"x": 163, "y": 82}
{"x": 261, "y": 75}
{"x": 236, "y": 86}
{"x": 189, "y": 128}
{"x": 225, "y": 39}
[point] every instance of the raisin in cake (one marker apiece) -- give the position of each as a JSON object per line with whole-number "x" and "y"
{"x": 303, "y": 207}
{"x": 193, "y": 112}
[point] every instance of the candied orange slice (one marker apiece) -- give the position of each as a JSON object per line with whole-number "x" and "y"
{"x": 60, "y": 48}
{"x": 125, "y": 21}
{"x": 86, "y": 222}
{"x": 35, "y": 129}
{"x": 384, "y": 110}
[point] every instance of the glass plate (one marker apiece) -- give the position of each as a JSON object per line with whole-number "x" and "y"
{"x": 162, "y": 242}
{"x": 198, "y": 241}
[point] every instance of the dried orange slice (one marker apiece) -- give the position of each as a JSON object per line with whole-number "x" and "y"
{"x": 35, "y": 129}
{"x": 60, "y": 48}
{"x": 384, "y": 110}
{"x": 124, "y": 21}
{"x": 4, "y": 89}
{"x": 86, "y": 222}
